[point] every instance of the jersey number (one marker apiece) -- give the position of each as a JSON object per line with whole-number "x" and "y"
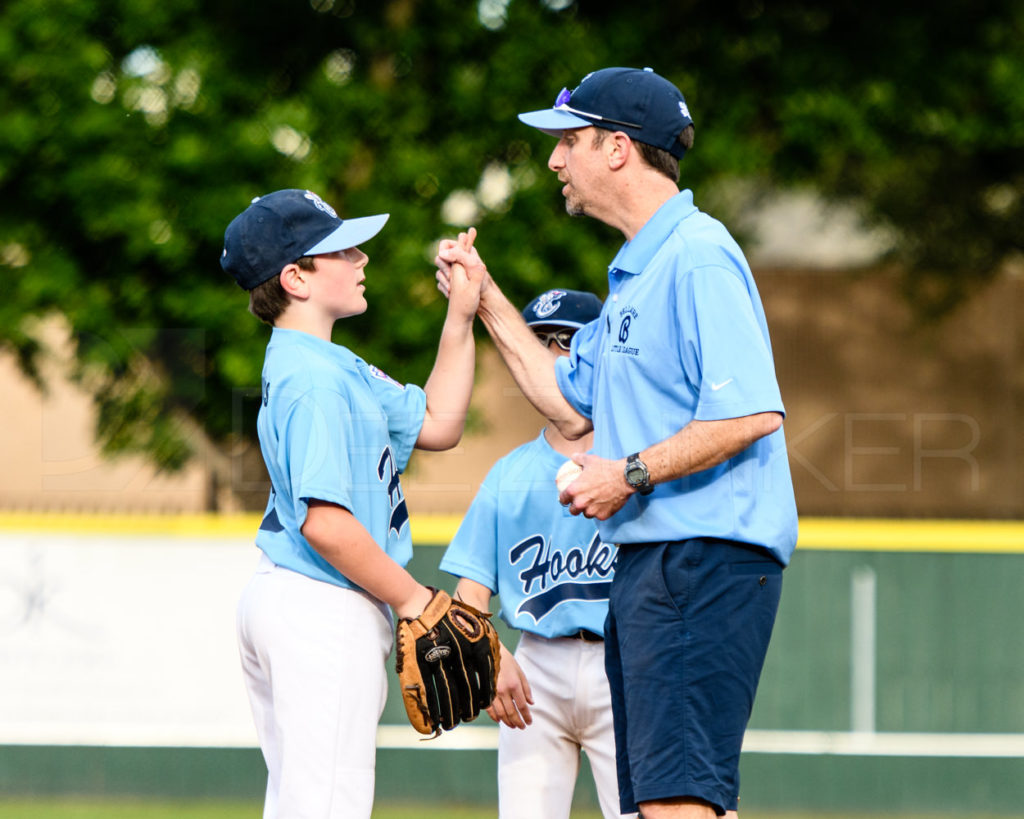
{"x": 387, "y": 471}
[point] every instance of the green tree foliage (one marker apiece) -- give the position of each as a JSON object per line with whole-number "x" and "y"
{"x": 134, "y": 130}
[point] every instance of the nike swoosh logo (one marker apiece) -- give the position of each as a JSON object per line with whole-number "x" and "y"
{"x": 716, "y": 387}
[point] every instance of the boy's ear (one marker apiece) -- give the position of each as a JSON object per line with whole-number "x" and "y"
{"x": 294, "y": 280}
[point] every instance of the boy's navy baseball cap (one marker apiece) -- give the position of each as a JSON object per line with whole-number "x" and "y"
{"x": 562, "y": 308}
{"x": 283, "y": 226}
{"x": 635, "y": 101}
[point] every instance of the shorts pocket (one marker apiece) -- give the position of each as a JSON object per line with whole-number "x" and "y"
{"x": 679, "y": 561}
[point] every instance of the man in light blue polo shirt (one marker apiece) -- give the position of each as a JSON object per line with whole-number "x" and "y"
{"x": 689, "y": 472}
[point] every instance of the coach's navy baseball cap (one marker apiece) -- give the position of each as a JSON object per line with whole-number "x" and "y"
{"x": 562, "y": 308}
{"x": 635, "y": 101}
{"x": 283, "y": 226}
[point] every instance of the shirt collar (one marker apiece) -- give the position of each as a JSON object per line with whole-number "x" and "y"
{"x": 635, "y": 254}
{"x": 279, "y": 337}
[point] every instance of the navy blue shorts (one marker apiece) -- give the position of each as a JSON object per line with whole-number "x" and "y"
{"x": 687, "y": 632}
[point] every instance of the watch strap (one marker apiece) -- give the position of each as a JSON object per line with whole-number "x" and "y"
{"x": 634, "y": 464}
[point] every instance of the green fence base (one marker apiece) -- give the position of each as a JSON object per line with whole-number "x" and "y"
{"x": 231, "y": 773}
{"x": 884, "y": 785}
{"x": 771, "y": 782}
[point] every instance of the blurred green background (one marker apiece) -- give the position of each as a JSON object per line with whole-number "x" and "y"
{"x": 134, "y": 130}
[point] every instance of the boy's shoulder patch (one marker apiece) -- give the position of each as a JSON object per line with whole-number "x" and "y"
{"x": 377, "y": 372}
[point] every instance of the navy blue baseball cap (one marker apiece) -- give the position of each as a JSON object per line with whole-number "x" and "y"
{"x": 562, "y": 308}
{"x": 283, "y": 226}
{"x": 635, "y": 101}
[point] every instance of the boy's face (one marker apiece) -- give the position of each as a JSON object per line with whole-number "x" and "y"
{"x": 547, "y": 337}
{"x": 338, "y": 282}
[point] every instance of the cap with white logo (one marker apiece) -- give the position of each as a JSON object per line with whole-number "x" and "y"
{"x": 562, "y": 308}
{"x": 283, "y": 226}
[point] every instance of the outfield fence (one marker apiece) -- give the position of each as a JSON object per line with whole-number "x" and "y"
{"x": 895, "y": 678}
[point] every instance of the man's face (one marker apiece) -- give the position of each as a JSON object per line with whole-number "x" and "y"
{"x": 577, "y": 162}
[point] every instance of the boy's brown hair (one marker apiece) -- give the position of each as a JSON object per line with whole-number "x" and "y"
{"x": 267, "y": 301}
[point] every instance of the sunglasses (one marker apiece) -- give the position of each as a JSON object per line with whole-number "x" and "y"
{"x": 562, "y": 104}
{"x": 563, "y": 338}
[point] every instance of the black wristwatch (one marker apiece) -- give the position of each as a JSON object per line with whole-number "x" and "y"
{"x": 637, "y": 475}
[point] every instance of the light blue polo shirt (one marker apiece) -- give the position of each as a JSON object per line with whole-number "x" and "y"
{"x": 683, "y": 336}
{"x": 337, "y": 429}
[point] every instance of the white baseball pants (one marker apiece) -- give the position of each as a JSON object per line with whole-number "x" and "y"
{"x": 572, "y": 711}
{"x": 313, "y": 657}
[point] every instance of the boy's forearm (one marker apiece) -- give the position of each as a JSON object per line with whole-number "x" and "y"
{"x": 344, "y": 543}
{"x": 474, "y": 593}
{"x": 449, "y": 386}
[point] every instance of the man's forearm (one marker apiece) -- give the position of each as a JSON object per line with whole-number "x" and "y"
{"x": 701, "y": 445}
{"x": 528, "y": 362}
{"x": 601, "y": 490}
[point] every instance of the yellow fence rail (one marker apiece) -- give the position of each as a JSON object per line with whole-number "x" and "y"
{"x": 816, "y": 533}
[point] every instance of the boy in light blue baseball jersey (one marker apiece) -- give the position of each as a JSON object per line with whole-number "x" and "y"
{"x": 689, "y": 473}
{"x": 553, "y": 573}
{"x": 314, "y": 624}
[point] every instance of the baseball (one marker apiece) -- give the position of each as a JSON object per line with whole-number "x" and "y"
{"x": 567, "y": 473}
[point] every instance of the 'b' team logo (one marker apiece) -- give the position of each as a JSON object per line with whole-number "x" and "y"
{"x": 628, "y": 315}
{"x": 624, "y": 328}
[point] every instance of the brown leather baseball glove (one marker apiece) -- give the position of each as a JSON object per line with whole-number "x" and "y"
{"x": 447, "y": 664}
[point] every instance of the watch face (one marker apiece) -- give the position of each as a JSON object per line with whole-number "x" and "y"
{"x": 635, "y": 475}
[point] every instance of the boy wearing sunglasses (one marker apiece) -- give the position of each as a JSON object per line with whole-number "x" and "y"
{"x": 552, "y": 572}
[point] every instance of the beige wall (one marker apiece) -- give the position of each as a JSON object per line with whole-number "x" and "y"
{"x": 52, "y": 464}
{"x": 885, "y": 418}
{"x": 890, "y": 418}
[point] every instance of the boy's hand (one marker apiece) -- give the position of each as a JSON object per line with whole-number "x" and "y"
{"x": 464, "y": 286}
{"x": 459, "y": 258}
{"x": 513, "y": 697}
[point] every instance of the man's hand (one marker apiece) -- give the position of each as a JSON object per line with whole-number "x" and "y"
{"x": 513, "y": 699}
{"x": 600, "y": 490}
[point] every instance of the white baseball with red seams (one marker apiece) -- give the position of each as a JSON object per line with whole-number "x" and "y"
{"x": 567, "y": 473}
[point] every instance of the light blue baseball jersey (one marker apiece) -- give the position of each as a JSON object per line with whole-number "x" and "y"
{"x": 337, "y": 429}
{"x": 683, "y": 336}
{"x": 550, "y": 568}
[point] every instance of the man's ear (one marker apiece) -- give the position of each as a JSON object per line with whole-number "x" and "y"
{"x": 295, "y": 281}
{"x": 620, "y": 146}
